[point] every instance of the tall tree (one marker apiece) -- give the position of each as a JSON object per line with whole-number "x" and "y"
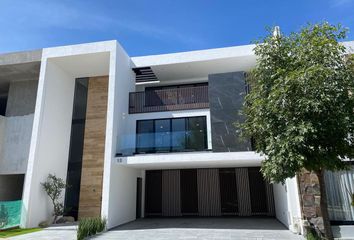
{"x": 300, "y": 107}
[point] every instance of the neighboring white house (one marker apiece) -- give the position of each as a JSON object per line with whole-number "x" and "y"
{"x": 134, "y": 136}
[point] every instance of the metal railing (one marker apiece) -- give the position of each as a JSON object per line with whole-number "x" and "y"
{"x": 182, "y": 98}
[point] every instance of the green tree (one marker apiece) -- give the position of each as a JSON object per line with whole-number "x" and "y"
{"x": 300, "y": 108}
{"x": 54, "y": 186}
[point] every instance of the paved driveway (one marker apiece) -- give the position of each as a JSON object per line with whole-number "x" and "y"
{"x": 67, "y": 232}
{"x": 201, "y": 229}
{"x": 178, "y": 229}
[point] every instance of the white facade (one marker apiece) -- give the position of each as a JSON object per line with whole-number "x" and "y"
{"x": 50, "y": 135}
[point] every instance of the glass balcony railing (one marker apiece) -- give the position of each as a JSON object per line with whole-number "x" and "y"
{"x": 166, "y": 142}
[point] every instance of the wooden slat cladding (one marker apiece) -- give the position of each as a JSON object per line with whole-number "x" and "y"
{"x": 208, "y": 192}
{"x": 94, "y": 146}
{"x": 169, "y": 99}
{"x": 243, "y": 192}
{"x": 153, "y": 193}
{"x": 171, "y": 198}
{"x": 270, "y": 199}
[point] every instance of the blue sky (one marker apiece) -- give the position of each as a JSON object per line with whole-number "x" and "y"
{"x": 159, "y": 26}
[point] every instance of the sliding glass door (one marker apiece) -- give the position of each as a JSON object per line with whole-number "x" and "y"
{"x": 171, "y": 135}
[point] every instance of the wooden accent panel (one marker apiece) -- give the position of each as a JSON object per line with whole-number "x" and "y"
{"x": 94, "y": 145}
{"x": 243, "y": 192}
{"x": 171, "y": 193}
{"x": 208, "y": 192}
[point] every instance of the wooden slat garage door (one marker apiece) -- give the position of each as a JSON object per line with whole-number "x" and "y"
{"x": 208, "y": 192}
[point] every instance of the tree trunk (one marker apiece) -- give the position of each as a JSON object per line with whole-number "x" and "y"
{"x": 324, "y": 206}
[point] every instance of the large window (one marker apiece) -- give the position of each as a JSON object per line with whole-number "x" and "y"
{"x": 171, "y": 135}
{"x": 339, "y": 189}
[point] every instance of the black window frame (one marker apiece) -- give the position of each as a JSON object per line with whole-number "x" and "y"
{"x": 171, "y": 147}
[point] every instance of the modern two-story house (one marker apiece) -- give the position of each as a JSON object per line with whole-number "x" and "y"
{"x": 135, "y": 137}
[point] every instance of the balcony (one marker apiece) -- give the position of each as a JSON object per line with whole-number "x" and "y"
{"x": 169, "y": 99}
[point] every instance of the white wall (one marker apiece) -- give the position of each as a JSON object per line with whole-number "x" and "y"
{"x": 50, "y": 139}
{"x": 119, "y": 183}
{"x": 287, "y": 204}
{"x": 15, "y": 145}
{"x": 122, "y": 202}
{"x": 281, "y": 203}
{"x": 49, "y": 149}
{"x": 128, "y": 139}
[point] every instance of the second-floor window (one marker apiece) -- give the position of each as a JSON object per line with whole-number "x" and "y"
{"x": 171, "y": 135}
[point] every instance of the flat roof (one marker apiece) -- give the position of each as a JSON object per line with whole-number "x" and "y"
{"x": 21, "y": 57}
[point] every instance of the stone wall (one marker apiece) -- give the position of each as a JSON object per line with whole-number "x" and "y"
{"x": 310, "y": 199}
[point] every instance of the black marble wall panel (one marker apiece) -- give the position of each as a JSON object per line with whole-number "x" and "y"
{"x": 226, "y": 97}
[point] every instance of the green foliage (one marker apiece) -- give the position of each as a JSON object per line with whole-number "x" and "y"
{"x": 300, "y": 108}
{"x": 54, "y": 186}
{"x": 90, "y": 226}
{"x": 312, "y": 235}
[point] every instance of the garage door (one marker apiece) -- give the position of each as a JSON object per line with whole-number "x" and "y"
{"x": 208, "y": 192}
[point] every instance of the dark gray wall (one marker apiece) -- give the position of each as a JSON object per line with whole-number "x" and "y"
{"x": 226, "y": 96}
{"x": 11, "y": 187}
{"x": 22, "y": 98}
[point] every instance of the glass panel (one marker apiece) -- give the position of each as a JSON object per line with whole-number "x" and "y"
{"x": 162, "y": 135}
{"x": 72, "y": 194}
{"x": 339, "y": 187}
{"x": 166, "y": 135}
{"x": 196, "y": 133}
{"x": 145, "y": 136}
{"x": 178, "y": 134}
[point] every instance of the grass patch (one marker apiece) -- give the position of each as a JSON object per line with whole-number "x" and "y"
{"x": 17, "y": 231}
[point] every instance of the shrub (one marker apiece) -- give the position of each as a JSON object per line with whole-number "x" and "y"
{"x": 54, "y": 186}
{"x": 90, "y": 226}
{"x": 312, "y": 235}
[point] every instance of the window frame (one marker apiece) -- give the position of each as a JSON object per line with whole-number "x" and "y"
{"x": 171, "y": 148}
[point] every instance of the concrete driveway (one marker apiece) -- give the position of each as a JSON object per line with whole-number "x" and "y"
{"x": 58, "y": 232}
{"x": 201, "y": 229}
{"x": 178, "y": 229}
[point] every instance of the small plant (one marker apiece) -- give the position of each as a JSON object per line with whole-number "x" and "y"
{"x": 54, "y": 186}
{"x": 90, "y": 226}
{"x": 312, "y": 235}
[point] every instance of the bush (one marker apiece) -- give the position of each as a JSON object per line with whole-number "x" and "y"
{"x": 54, "y": 186}
{"x": 90, "y": 226}
{"x": 312, "y": 235}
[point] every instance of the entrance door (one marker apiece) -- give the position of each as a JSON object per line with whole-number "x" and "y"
{"x": 138, "y": 197}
